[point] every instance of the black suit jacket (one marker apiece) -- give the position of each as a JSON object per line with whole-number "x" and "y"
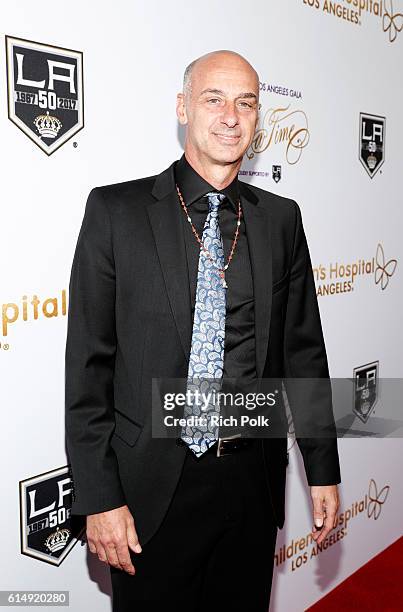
{"x": 129, "y": 320}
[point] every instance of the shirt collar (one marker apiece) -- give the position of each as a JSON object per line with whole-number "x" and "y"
{"x": 193, "y": 186}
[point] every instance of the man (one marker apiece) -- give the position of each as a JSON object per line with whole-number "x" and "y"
{"x": 190, "y": 523}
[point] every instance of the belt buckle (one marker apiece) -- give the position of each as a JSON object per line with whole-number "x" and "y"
{"x": 221, "y": 447}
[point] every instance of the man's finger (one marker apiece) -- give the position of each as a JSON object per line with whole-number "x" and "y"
{"x": 112, "y": 556}
{"x": 336, "y": 520}
{"x": 101, "y": 552}
{"x": 328, "y": 524}
{"x": 124, "y": 559}
{"x": 132, "y": 539}
{"x": 318, "y": 511}
{"x": 91, "y": 546}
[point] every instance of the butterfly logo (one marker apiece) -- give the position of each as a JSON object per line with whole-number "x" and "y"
{"x": 376, "y": 499}
{"x": 384, "y": 270}
{"x": 391, "y": 22}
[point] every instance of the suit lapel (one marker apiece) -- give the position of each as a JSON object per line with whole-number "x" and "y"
{"x": 166, "y": 223}
{"x": 258, "y": 232}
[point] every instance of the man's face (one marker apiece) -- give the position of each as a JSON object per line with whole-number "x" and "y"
{"x": 222, "y": 111}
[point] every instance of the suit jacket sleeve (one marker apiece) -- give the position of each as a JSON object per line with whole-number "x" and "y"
{"x": 89, "y": 365}
{"x": 305, "y": 358}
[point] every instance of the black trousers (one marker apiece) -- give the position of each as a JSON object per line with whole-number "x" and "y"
{"x": 215, "y": 547}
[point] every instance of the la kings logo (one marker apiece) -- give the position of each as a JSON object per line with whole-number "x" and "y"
{"x": 365, "y": 390}
{"x": 48, "y": 531}
{"x": 45, "y": 91}
{"x": 372, "y": 142}
{"x": 276, "y": 173}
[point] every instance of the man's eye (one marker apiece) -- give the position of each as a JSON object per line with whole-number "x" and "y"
{"x": 246, "y": 104}
{"x": 213, "y": 100}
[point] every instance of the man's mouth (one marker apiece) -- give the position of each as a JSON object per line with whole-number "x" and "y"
{"x": 230, "y": 138}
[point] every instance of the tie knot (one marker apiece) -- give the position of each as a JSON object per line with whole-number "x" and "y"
{"x": 214, "y": 200}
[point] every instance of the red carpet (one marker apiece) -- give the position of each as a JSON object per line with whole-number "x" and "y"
{"x": 377, "y": 585}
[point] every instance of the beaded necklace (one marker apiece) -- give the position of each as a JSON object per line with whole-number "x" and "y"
{"x": 221, "y": 270}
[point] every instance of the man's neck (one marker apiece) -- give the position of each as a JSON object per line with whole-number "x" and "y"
{"x": 219, "y": 176}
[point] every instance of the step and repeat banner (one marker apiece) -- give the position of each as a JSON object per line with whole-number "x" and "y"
{"x": 87, "y": 98}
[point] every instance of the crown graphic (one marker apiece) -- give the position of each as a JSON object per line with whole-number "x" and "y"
{"x": 57, "y": 540}
{"x": 47, "y": 125}
{"x": 371, "y": 161}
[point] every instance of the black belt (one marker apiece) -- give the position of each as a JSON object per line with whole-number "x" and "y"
{"x": 226, "y": 446}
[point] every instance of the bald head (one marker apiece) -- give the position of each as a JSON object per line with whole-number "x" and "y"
{"x": 219, "y": 106}
{"x": 211, "y": 61}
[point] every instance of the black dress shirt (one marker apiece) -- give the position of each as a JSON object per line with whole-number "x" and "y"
{"x": 239, "y": 351}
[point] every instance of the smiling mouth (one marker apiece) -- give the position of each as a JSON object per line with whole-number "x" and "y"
{"x": 228, "y": 137}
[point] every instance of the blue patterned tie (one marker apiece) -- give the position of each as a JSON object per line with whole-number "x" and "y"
{"x": 207, "y": 348}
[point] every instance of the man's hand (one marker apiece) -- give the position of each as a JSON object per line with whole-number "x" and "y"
{"x": 325, "y": 501}
{"x": 110, "y": 533}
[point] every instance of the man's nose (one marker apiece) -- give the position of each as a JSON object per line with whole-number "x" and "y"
{"x": 230, "y": 115}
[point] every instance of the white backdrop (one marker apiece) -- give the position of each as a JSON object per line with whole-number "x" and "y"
{"x": 329, "y": 69}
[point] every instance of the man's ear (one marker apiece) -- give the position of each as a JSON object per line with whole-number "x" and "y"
{"x": 181, "y": 109}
